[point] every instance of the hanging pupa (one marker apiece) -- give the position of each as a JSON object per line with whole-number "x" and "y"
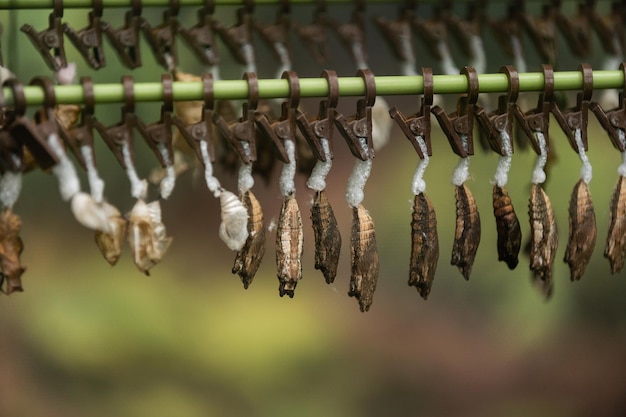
{"x": 289, "y": 246}
{"x": 110, "y": 243}
{"x": 364, "y": 259}
{"x": 11, "y": 248}
{"x": 615, "y": 249}
{"x": 249, "y": 258}
{"x": 327, "y": 236}
{"x": 146, "y": 235}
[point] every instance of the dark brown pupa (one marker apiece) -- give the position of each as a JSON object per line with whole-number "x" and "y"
{"x": 249, "y": 258}
{"x": 327, "y": 236}
{"x": 424, "y": 245}
{"x": 289, "y": 246}
{"x": 11, "y": 248}
{"x": 364, "y": 259}
{"x": 507, "y": 224}
{"x": 582, "y": 230}
{"x": 544, "y": 239}
{"x": 615, "y": 250}
{"x": 467, "y": 234}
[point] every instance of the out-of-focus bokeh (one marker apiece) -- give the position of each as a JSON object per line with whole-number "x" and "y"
{"x": 86, "y": 339}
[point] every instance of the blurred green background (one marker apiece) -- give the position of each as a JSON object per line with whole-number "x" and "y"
{"x": 85, "y": 339}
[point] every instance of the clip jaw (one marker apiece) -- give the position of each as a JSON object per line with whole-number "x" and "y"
{"x": 576, "y": 118}
{"x": 542, "y": 31}
{"x": 576, "y": 30}
{"x": 397, "y": 33}
{"x": 500, "y": 120}
{"x": 201, "y": 37}
{"x": 239, "y": 35}
{"x": 49, "y": 42}
{"x": 162, "y": 38}
{"x": 242, "y": 130}
{"x": 125, "y": 40}
{"x": 464, "y": 29}
{"x": 537, "y": 120}
{"x": 314, "y": 35}
{"x": 359, "y": 127}
{"x": 277, "y": 33}
{"x": 201, "y": 131}
{"x": 418, "y": 124}
{"x": 614, "y": 120}
{"x": 323, "y": 127}
{"x": 459, "y": 125}
{"x": 88, "y": 41}
{"x": 433, "y": 31}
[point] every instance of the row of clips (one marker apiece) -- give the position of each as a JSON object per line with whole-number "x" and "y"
{"x": 202, "y": 40}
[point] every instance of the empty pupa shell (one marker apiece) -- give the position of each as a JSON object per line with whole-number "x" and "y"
{"x": 89, "y": 213}
{"x": 110, "y": 243}
{"x": 544, "y": 239}
{"x": 67, "y": 115}
{"x": 507, "y": 224}
{"x": 146, "y": 235}
{"x": 424, "y": 245}
{"x": 582, "y": 230}
{"x": 467, "y": 234}
{"x": 289, "y": 246}
{"x": 364, "y": 259}
{"x": 249, "y": 257}
{"x": 327, "y": 236}
{"x": 11, "y": 248}
{"x": 615, "y": 250}
{"x": 234, "y": 226}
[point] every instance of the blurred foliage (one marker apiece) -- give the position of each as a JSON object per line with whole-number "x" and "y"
{"x": 89, "y": 340}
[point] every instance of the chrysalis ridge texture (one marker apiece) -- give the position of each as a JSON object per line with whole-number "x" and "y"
{"x": 507, "y": 224}
{"x": 467, "y": 234}
{"x": 249, "y": 257}
{"x": 544, "y": 238}
{"x": 365, "y": 262}
{"x": 11, "y": 247}
{"x": 289, "y": 247}
{"x": 582, "y": 230}
{"x": 146, "y": 235}
{"x": 615, "y": 250}
{"x": 424, "y": 245}
{"x": 327, "y": 236}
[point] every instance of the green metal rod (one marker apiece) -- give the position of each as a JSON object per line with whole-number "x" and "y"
{"x": 317, "y": 87}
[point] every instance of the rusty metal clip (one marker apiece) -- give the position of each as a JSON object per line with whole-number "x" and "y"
{"x": 201, "y": 37}
{"x": 542, "y": 31}
{"x": 397, "y": 33}
{"x": 49, "y": 42}
{"x": 459, "y": 125}
{"x": 278, "y": 32}
{"x": 610, "y": 27}
{"x": 432, "y": 31}
{"x": 201, "y": 131}
{"x": 82, "y": 134}
{"x": 614, "y": 120}
{"x": 463, "y": 29}
{"x": 359, "y": 126}
{"x": 507, "y": 28}
{"x": 323, "y": 126}
{"x": 88, "y": 41}
{"x": 353, "y": 33}
{"x": 125, "y": 40}
{"x": 419, "y": 123}
{"x": 575, "y": 29}
{"x": 243, "y": 129}
{"x": 577, "y": 117}
{"x": 11, "y": 152}
{"x": 314, "y": 36}
{"x": 501, "y": 119}
{"x": 239, "y": 35}
{"x": 162, "y": 38}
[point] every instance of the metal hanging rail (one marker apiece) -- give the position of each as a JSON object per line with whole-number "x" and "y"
{"x": 318, "y": 87}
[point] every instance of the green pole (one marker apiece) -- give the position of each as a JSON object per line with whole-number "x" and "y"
{"x": 317, "y": 87}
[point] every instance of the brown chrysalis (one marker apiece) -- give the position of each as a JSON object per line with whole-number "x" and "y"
{"x": 615, "y": 249}
{"x": 365, "y": 262}
{"x": 110, "y": 244}
{"x": 249, "y": 257}
{"x": 289, "y": 246}
{"x": 507, "y": 224}
{"x": 424, "y": 245}
{"x": 582, "y": 230}
{"x": 327, "y": 236}
{"x": 544, "y": 238}
{"x": 146, "y": 235}
{"x": 11, "y": 248}
{"x": 467, "y": 234}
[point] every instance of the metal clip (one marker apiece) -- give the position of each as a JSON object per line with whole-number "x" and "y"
{"x": 542, "y": 31}
{"x": 614, "y": 120}
{"x": 243, "y": 129}
{"x": 121, "y": 134}
{"x": 537, "y": 120}
{"x": 314, "y": 34}
{"x": 201, "y": 38}
{"x": 610, "y": 27}
{"x": 398, "y": 33}
{"x": 576, "y": 30}
{"x": 359, "y": 126}
{"x": 353, "y": 33}
{"x": 88, "y": 41}
{"x": 419, "y": 123}
{"x": 323, "y": 126}
{"x": 433, "y": 31}
{"x": 11, "y": 152}
{"x": 464, "y": 29}
{"x": 82, "y": 134}
{"x": 49, "y": 42}
{"x": 507, "y": 28}
{"x": 125, "y": 40}
{"x": 277, "y": 33}
{"x": 459, "y": 125}
{"x": 201, "y": 131}
{"x": 240, "y": 34}
{"x": 162, "y": 38}
{"x": 500, "y": 120}
{"x": 159, "y": 134}
{"x": 577, "y": 117}
{"x": 34, "y": 135}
